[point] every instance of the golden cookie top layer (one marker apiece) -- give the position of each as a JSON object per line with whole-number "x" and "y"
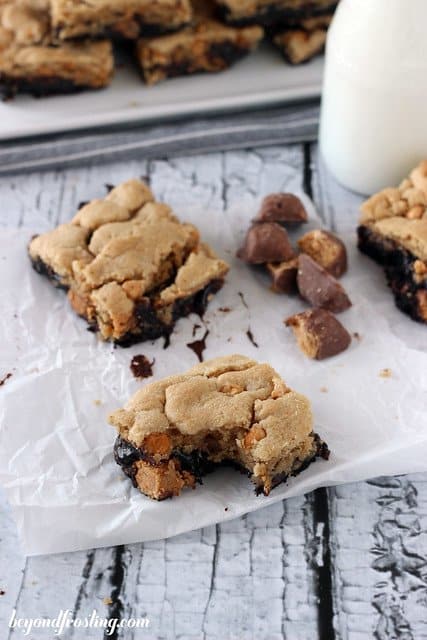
{"x": 400, "y": 213}
{"x": 23, "y": 23}
{"x": 231, "y": 393}
{"x": 26, "y": 51}
{"x": 74, "y": 18}
{"x": 121, "y": 248}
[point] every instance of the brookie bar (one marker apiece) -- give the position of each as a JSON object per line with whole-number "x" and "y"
{"x": 298, "y": 46}
{"x": 130, "y": 267}
{"x": 393, "y": 231}
{"x": 123, "y": 18}
{"x": 268, "y": 12}
{"x": 29, "y": 62}
{"x": 206, "y": 46}
{"x": 229, "y": 410}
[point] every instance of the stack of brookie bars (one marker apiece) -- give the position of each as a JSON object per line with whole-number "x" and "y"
{"x": 62, "y": 46}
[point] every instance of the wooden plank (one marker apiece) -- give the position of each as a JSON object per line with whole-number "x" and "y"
{"x": 379, "y": 543}
{"x": 378, "y": 533}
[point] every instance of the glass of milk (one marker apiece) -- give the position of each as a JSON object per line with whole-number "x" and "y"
{"x": 373, "y": 126}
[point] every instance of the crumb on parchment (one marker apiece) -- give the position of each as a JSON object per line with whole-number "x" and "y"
{"x": 385, "y": 373}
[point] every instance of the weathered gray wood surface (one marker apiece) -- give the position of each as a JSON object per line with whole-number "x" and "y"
{"x": 348, "y": 563}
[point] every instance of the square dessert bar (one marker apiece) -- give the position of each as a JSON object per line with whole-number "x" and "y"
{"x": 304, "y": 40}
{"x": 230, "y": 410}
{"x": 123, "y": 18}
{"x": 130, "y": 268}
{"x": 30, "y": 63}
{"x": 206, "y": 46}
{"x": 270, "y": 12}
{"x": 393, "y": 231}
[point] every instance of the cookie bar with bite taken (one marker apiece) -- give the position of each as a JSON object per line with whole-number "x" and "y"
{"x": 29, "y": 63}
{"x": 393, "y": 231}
{"x": 230, "y": 410}
{"x": 130, "y": 267}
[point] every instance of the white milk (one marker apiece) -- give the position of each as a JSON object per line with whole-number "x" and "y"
{"x": 374, "y": 107}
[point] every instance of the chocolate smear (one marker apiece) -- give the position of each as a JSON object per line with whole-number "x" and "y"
{"x": 5, "y": 378}
{"x": 198, "y": 346}
{"x": 141, "y": 367}
{"x": 251, "y": 338}
{"x": 242, "y": 297}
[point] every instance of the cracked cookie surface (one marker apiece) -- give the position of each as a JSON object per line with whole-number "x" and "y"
{"x": 130, "y": 267}
{"x": 228, "y": 410}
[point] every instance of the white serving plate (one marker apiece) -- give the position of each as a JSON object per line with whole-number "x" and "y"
{"x": 260, "y": 79}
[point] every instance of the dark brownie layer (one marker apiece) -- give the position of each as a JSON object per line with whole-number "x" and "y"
{"x": 149, "y": 325}
{"x": 398, "y": 264}
{"x": 272, "y": 15}
{"x": 198, "y": 464}
{"x": 44, "y": 270}
{"x": 145, "y": 31}
{"x": 38, "y": 86}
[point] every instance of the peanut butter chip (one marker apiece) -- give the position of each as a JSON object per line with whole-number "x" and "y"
{"x": 158, "y": 443}
{"x": 255, "y": 435}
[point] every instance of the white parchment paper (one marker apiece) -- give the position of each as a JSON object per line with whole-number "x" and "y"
{"x": 56, "y": 461}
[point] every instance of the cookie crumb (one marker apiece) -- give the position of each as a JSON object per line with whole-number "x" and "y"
{"x": 97, "y": 403}
{"x": 141, "y": 367}
{"x": 324, "y": 389}
{"x": 107, "y": 601}
{"x": 226, "y": 509}
{"x": 224, "y": 309}
{"x": 385, "y": 373}
{"x": 357, "y": 336}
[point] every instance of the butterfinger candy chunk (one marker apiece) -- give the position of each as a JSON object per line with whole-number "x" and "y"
{"x": 319, "y": 334}
{"x": 267, "y": 242}
{"x": 326, "y": 249}
{"x": 282, "y": 207}
{"x": 284, "y": 276}
{"x": 319, "y": 288}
